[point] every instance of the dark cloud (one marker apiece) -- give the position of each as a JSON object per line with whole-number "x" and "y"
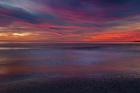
{"x": 10, "y": 14}
{"x": 94, "y": 10}
{"x": 86, "y": 11}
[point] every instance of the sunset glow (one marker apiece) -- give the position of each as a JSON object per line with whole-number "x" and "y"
{"x": 21, "y": 34}
{"x": 65, "y": 21}
{"x": 69, "y": 46}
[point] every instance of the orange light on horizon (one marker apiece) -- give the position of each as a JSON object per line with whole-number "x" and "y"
{"x": 111, "y": 36}
{"x": 3, "y": 34}
{"x": 19, "y": 36}
{"x": 22, "y": 34}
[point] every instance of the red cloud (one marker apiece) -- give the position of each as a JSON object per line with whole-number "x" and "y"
{"x": 115, "y": 36}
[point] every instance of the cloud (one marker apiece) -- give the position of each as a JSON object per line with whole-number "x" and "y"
{"x": 73, "y": 20}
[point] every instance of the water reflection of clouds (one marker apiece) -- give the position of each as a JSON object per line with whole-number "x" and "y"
{"x": 67, "y": 62}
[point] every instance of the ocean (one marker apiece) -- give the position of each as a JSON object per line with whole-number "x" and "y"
{"x": 51, "y": 61}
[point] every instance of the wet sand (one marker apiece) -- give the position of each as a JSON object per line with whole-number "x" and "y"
{"x": 73, "y": 85}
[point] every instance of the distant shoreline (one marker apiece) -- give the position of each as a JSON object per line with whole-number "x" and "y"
{"x": 135, "y": 42}
{"x": 39, "y": 45}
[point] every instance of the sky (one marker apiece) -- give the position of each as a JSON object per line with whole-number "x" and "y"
{"x": 69, "y": 20}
